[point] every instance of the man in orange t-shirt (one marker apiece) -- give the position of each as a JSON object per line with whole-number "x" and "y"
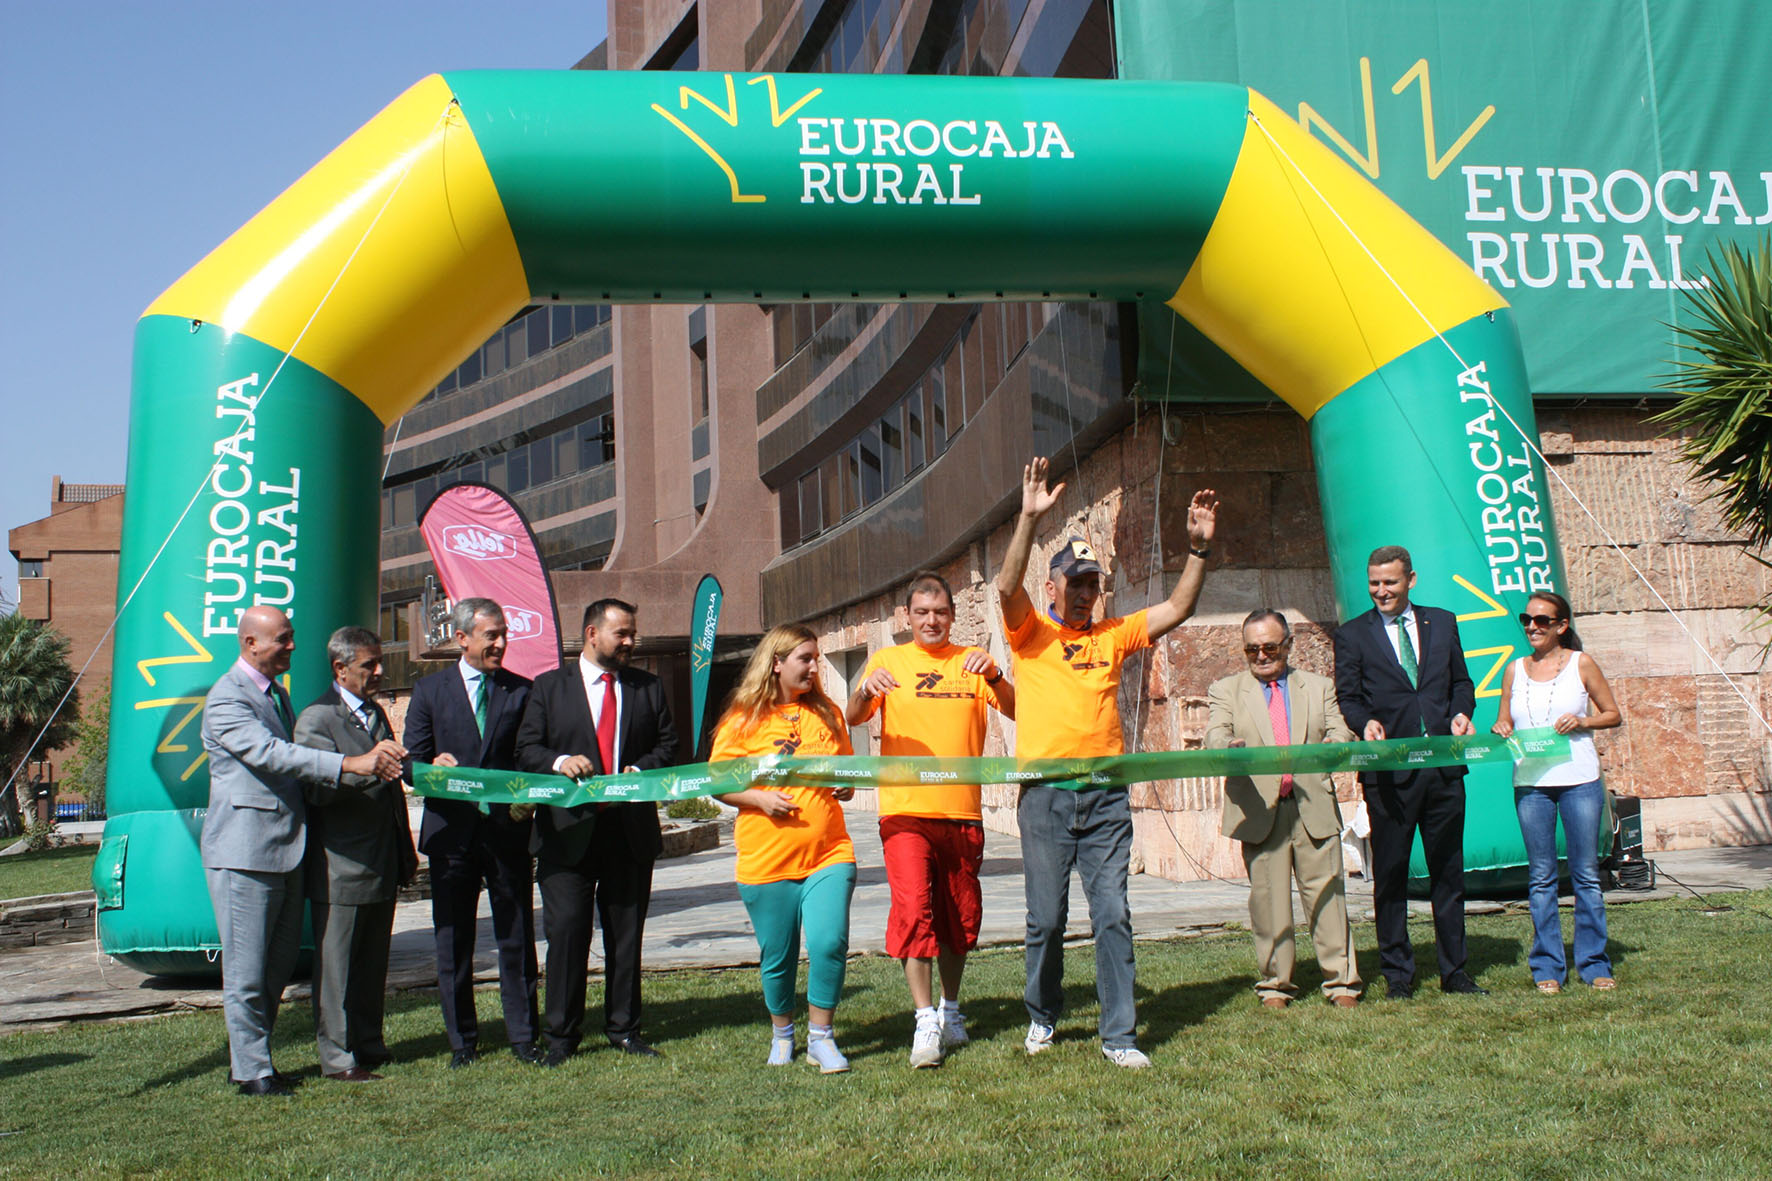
{"x": 1067, "y": 667}
{"x": 932, "y": 695}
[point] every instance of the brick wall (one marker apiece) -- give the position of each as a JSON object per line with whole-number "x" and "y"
{"x": 1690, "y": 747}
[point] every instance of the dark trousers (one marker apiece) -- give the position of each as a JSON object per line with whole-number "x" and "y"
{"x": 350, "y": 980}
{"x": 1432, "y": 801}
{"x": 456, "y": 879}
{"x": 619, "y": 884}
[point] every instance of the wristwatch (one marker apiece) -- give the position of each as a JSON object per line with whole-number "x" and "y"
{"x": 991, "y": 680}
{"x": 1200, "y": 553}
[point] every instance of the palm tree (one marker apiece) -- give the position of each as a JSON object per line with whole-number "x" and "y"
{"x": 1725, "y": 406}
{"x": 34, "y": 678}
{"x": 1724, "y": 414}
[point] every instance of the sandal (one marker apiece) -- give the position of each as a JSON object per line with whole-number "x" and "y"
{"x": 1602, "y": 984}
{"x": 1551, "y": 987}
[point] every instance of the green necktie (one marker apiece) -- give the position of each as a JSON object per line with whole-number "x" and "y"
{"x": 1407, "y": 649}
{"x": 480, "y": 704}
{"x": 282, "y": 706}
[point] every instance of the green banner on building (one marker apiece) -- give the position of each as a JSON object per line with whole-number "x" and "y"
{"x": 1581, "y": 157}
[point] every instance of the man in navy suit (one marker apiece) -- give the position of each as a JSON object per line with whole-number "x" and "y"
{"x": 1399, "y": 672}
{"x": 595, "y": 716}
{"x": 468, "y": 716}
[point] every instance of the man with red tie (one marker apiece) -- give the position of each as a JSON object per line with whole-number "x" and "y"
{"x": 595, "y": 716}
{"x": 1288, "y": 824}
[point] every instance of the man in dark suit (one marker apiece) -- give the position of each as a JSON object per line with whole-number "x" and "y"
{"x": 591, "y": 717}
{"x": 359, "y": 855}
{"x": 468, "y": 716}
{"x": 1399, "y": 671}
{"x": 254, "y": 834}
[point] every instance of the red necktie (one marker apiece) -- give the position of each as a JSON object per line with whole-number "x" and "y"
{"x": 606, "y": 725}
{"x": 1276, "y": 712}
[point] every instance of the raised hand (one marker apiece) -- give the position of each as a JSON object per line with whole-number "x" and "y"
{"x": 1202, "y": 517}
{"x": 1036, "y": 498}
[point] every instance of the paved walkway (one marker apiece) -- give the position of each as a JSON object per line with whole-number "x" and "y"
{"x": 697, "y": 921}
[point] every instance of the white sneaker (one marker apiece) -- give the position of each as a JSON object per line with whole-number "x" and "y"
{"x": 926, "y": 1047}
{"x": 781, "y": 1049}
{"x": 1039, "y": 1037}
{"x": 1131, "y": 1057}
{"x": 822, "y": 1052}
{"x": 953, "y": 1030}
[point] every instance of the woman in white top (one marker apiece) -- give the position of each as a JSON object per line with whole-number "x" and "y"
{"x": 1559, "y": 685}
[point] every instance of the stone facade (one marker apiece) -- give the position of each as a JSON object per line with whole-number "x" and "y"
{"x": 1691, "y": 747}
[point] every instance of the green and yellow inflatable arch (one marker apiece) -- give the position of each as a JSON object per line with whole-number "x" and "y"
{"x": 264, "y": 377}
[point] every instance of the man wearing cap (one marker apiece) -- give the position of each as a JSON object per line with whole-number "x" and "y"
{"x": 1067, "y": 674}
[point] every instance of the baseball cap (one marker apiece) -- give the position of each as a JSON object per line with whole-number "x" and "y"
{"x": 1074, "y": 557}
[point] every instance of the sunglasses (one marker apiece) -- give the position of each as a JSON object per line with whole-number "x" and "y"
{"x": 1269, "y": 650}
{"x": 1544, "y": 621}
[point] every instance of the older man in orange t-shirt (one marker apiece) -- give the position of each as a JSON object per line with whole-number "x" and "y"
{"x": 1067, "y": 667}
{"x": 932, "y": 696}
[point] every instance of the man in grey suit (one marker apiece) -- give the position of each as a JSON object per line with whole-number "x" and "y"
{"x": 359, "y": 854}
{"x": 1288, "y": 824}
{"x": 255, "y": 832}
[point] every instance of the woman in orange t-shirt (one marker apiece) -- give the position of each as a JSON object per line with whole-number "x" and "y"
{"x": 796, "y": 864}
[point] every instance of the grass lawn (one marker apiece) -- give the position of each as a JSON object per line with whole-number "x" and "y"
{"x": 52, "y": 871}
{"x": 1670, "y": 1076}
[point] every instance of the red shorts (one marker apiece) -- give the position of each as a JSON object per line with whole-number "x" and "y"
{"x": 932, "y": 867}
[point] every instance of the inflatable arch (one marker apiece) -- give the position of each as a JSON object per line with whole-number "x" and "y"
{"x": 265, "y": 375}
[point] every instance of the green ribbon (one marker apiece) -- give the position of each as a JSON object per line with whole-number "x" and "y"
{"x": 707, "y": 779}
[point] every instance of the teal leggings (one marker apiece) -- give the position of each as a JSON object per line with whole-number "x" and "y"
{"x": 778, "y": 910}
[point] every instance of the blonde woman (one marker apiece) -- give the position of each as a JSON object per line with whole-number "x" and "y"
{"x": 796, "y": 864}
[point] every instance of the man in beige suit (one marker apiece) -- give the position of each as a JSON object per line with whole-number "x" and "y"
{"x": 1288, "y": 824}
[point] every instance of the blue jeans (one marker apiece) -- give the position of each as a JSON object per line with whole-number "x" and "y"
{"x": 1091, "y": 832}
{"x": 1580, "y": 807}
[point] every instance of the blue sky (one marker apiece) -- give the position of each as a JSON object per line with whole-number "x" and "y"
{"x": 137, "y": 136}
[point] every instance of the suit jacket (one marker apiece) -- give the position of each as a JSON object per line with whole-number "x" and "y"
{"x": 1370, "y": 681}
{"x": 257, "y": 819}
{"x": 439, "y": 720}
{"x": 558, "y": 722}
{"x": 1238, "y": 709}
{"x": 359, "y": 835}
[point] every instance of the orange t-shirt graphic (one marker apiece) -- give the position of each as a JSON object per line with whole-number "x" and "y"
{"x": 937, "y": 709}
{"x": 788, "y": 848}
{"x": 1067, "y": 685}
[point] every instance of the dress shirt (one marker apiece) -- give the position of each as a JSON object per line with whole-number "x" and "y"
{"x": 1284, "y": 689}
{"x": 1390, "y": 633}
{"x": 360, "y": 709}
{"x": 592, "y": 673}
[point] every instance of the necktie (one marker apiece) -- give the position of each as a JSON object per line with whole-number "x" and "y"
{"x": 1276, "y": 712}
{"x": 480, "y": 693}
{"x": 281, "y": 704}
{"x": 606, "y": 725}
{"x": 1406, "y": 647}
{"x": 371, "y": 721}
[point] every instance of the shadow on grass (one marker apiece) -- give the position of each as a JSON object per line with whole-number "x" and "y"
{"x": 36, "y": 1062}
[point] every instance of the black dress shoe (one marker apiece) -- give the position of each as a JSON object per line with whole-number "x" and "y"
{"x": 466, "y": 1056}
{"x": 1400, "y": 990}
{"x": 355, "y": 1074}
{"x": 556, "y": 1057}
{"x": 268, "y": 1085}
{"x": 635, "y": 1044}
{"x": 372, "y": 1059}
{"x": 528, "y": 1052}
{"x": 1461, "y": 983}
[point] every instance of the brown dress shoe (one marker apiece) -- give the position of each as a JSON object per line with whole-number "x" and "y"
{"x": 1344, "y": 1001}
{"x": 1275, "y": 1002}
{"x": 355, "y": 1074}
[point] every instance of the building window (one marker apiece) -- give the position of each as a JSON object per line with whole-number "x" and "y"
{"x": 30, "y": 568}
{"x": 892, "y": 449}
{"x": 913, "y": 430}
{"x": 809, "y": 506}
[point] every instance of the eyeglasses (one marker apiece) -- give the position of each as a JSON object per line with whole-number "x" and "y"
{"x": 1268, "y": 650}
{"x": 1544, "y": 621}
